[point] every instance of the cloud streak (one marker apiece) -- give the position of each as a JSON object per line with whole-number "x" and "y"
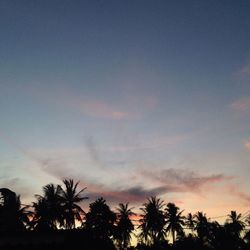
{"x": 242, "y": 104}
{"x": 155, "y": 182}
{"x": 182, "y": 180}
{"x": 96, "y": 108}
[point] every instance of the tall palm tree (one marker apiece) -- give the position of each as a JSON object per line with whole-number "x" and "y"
{"x": 13, "y": 215}
{"x": 174, "y": 220}
{"x": 124, "y": 226}
{"x": 48, "y": 208}
{"x": 234, "y": 224}
{"x": 70, "y": 199}
{"x": 153, "y": 221}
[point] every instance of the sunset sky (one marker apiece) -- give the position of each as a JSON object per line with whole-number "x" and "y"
{"x": 131, "y": 98}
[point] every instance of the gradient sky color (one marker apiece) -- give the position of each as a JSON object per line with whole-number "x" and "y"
{"x": 132, "y": 98}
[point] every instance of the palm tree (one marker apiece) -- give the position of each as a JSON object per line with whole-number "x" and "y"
{"x": 201, "y": 225}
{"x": 70, "y": 197}
{"x": 13, "y": 215}
{"x": 190, "y": 223}
{"x": 152, "y": 222}
{"x": 48, "y": 208}
{"x": 41, "y": 216}
{"x": 100, "y": 219}
{"x": 21, "y": 214}
{"x": 124, "y": 226}
{"x": 174, "y": 220}
{"x": 234, "y": 224}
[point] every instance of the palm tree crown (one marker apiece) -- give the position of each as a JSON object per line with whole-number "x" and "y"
{"x": 152, "y": 222}
{"x": 13, "y": 216}
{"x": 48, "y": 208}
{"x": 174, "y": 220}
{"x": 100, "y": 219}
{"x": 234, "y": 224}
{"x": 70, "y": 197}
{"x": 124, "y": 225}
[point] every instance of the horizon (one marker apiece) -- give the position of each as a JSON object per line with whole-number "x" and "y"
{"x": 131, "y": 98}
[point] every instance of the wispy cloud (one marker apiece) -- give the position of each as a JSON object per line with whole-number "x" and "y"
{"x": 20, "y": 148}
{"x": 155, "y": 182}
{"x": 242, "y": 104}
{"x": 129, "y": 105}
{"x": 148, "y": 142}
{"x": 93, "y": 150}
{"x": 98, "y": 108}
{"x": 85, "y": 104}
{"x": 133, "y": 194}
{"x": 247, "y": 144}
{"x": 183, "y": 180}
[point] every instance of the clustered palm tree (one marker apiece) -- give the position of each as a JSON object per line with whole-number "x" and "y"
{"x": 58, "y": 208}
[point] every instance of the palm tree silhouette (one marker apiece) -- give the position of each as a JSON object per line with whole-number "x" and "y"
{"x": 190, "y": 222}
{"x": 124, "y": 225}
{"x": 152, "y": 222}
{"x": 174, "y": 220}
{"x": 48, "y": 208}
{"x": 41, "y": 215}
{"x": 70, "y": 197}
{"x": 100, "y": 219}
{"x": 13, "y": 216}
{"x": 234, "y": 224}
{"x": 201, "y": 225}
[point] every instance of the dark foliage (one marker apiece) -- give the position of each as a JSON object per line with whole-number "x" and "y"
{"x": 50, "y": 223}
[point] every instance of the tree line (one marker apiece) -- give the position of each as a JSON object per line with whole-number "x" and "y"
{"x": 159, "y": 225}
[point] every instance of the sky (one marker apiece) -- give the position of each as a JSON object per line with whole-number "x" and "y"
{"x": 131, "y": 98}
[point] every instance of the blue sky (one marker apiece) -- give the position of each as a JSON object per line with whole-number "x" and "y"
{"x": 132, "y": 98}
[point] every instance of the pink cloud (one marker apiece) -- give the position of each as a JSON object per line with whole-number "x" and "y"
{"x": 242, "y": 104}
{"x": 247, "y": 144}
{"x": 81, "y": 103}
{"x": 98, "y": 108}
